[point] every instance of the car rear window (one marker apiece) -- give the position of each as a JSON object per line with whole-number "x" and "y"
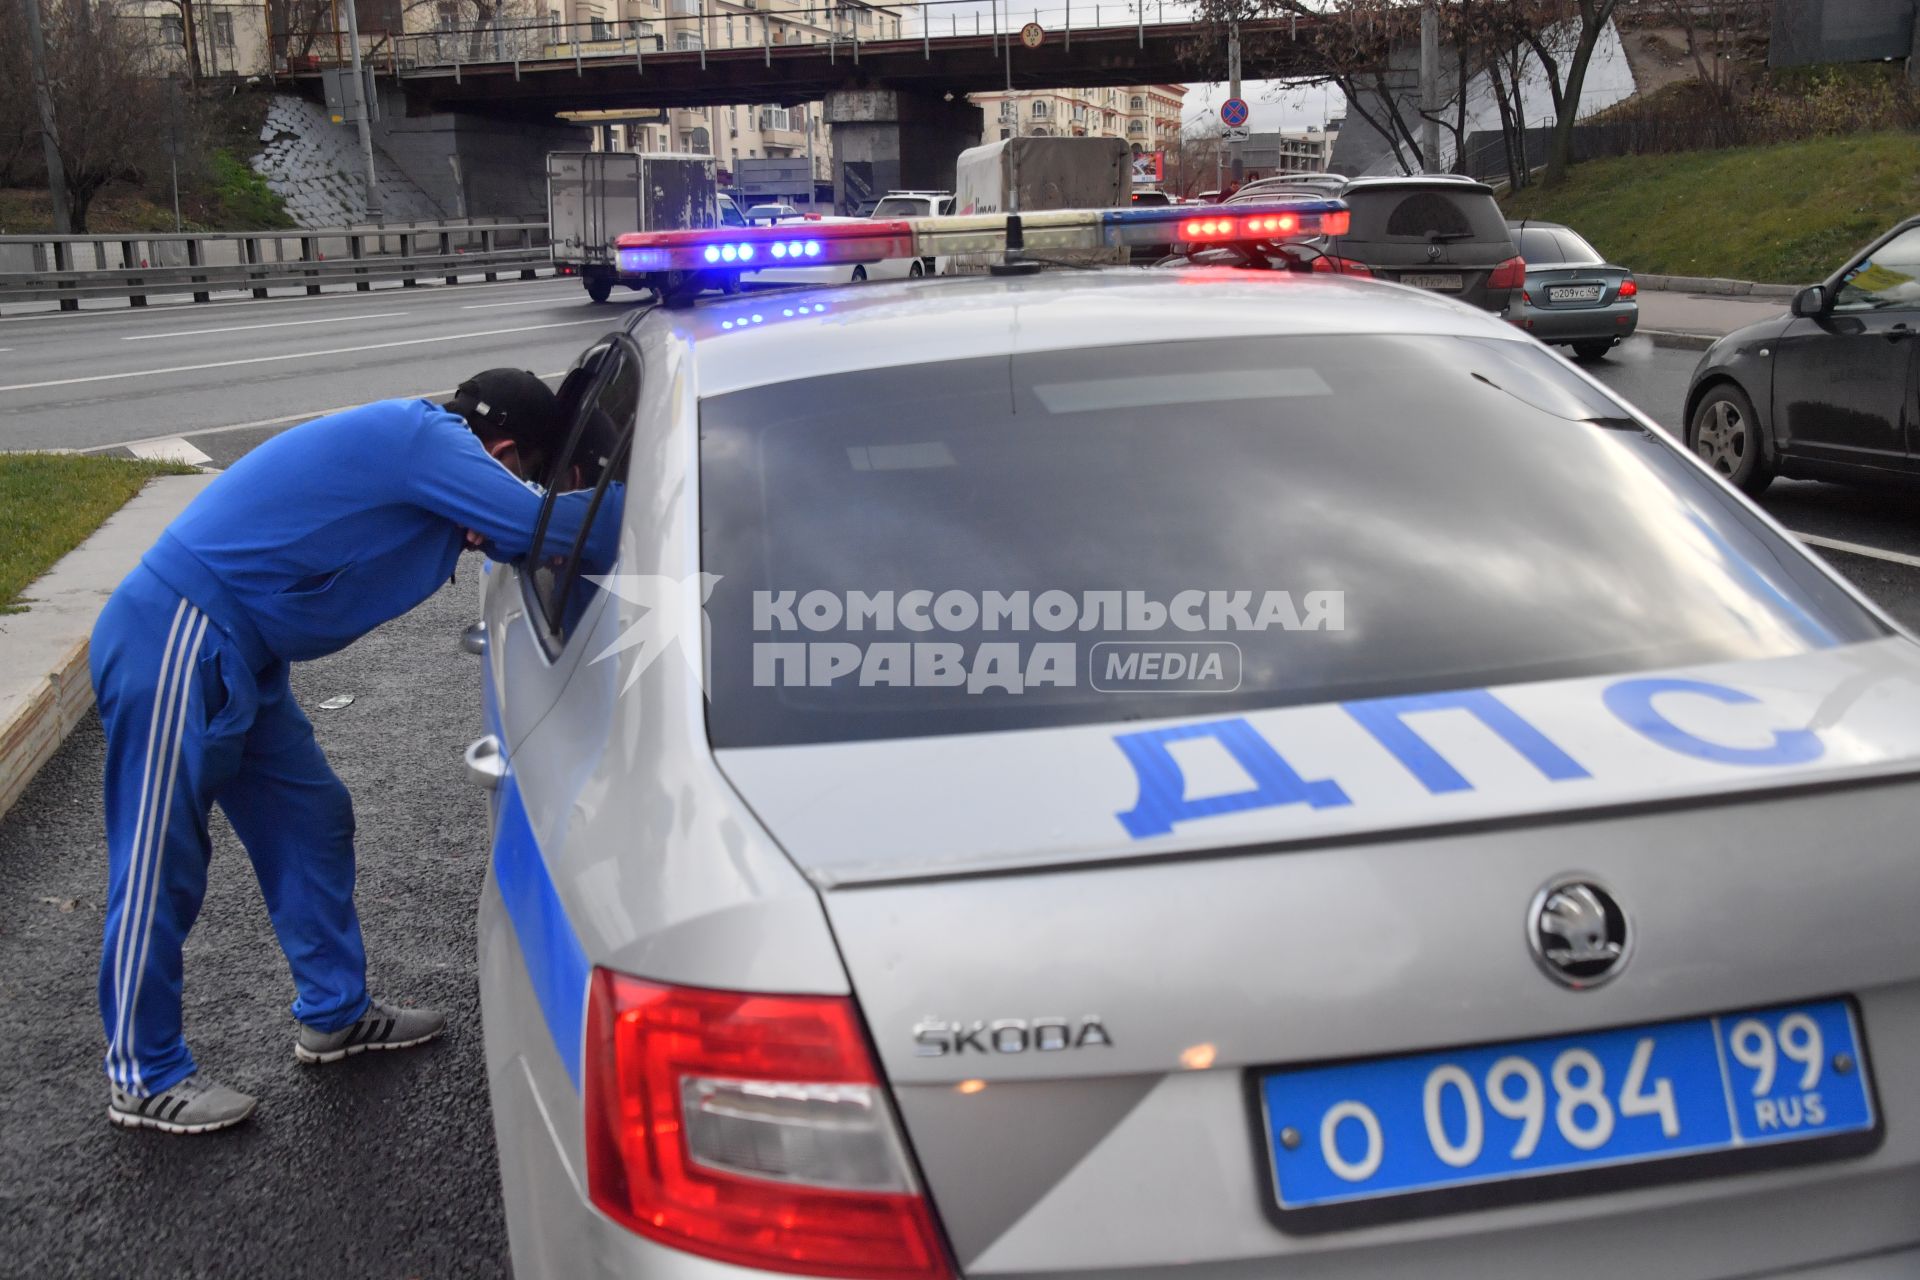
{"x": 1481, "y": 517}
{"x": 1554, "y": 245}
{"x": 1425, "y": 214}
{"x": 896, "y": 207}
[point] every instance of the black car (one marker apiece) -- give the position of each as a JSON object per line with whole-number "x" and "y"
{"x": 1831, "y": 390}
{"x": 1437, "y": 231}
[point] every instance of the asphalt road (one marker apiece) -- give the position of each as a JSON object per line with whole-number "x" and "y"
{"x": 382, "y": 1165}
{"x": 79, "y": 380}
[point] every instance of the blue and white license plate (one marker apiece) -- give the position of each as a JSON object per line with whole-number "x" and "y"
{"x": 1702, "y": 1094}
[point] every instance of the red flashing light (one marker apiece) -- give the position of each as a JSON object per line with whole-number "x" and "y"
{"x": 1510, "y": 274}
{"x": 1628, "y": 289}
{"x": 650, "y": 1048}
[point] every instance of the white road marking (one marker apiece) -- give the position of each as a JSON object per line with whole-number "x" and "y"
{"x": 1857, "y": 549}
{"x": 299, "y": 355}
{"x": 517, "y": 302}
{"x": 169, "y": 449}
{"x": 281, "y": 421}
{"x": 275, "y": 324}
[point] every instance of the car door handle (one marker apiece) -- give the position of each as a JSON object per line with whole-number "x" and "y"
{"x": 485, "y": 763}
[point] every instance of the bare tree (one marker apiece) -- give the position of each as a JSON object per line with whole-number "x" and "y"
{"x": 107, "y": 79}
{"x": 1714, "y": 31}
{"x": 1565, "y": 49}
{"x": 19, "y": 114}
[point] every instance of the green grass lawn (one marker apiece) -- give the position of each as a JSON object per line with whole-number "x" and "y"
{"x": 1788, "y": 213}
{"x": 50, "y": 502}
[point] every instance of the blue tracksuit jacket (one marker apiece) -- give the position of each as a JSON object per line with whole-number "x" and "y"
{"x": 310, "y": 541}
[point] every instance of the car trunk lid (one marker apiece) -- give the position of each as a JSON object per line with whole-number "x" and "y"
{"x": 1074, "y": 1007}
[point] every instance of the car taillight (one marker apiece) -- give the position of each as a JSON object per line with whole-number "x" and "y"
{"x": 1510, "y": 274}
{"x": 1628, "y": 289}
{"x": 750, "y": 1128}
{"x": 1341, "y": 266}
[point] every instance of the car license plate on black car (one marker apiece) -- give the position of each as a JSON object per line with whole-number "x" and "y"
{"x": 1369, "y": 1141}
{"x": 1573, "y": 293}
{"x": 1444, "y": 283}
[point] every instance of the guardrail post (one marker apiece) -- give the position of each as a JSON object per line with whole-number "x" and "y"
{"x": 196, "y": 257}
{"x": 127, "y": 259}
{"x": 407, "y": 241}
{"x": 446, "y": 251}
{"x": 487, "y": 246}
{"x": 307, "y": 255}
{"x": 356, "y": 246}
{"x": 251, "y": 247}
{"x": 63, "y": 261}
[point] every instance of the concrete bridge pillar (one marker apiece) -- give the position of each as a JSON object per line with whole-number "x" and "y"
{"x": 887, "y": 139}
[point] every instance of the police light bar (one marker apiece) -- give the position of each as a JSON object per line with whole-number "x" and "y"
{"x": 817, "y": 243}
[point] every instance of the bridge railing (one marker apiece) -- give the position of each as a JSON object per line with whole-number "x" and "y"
{"x": 70, "y": 269}
{"x": 699, "y": 27}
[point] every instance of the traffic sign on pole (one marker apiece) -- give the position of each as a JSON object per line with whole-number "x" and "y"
{"x": 1233, "y": 112}
{"x": 1031, "y": 35}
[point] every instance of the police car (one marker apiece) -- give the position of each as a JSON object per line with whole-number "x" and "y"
{"x": 1218, "y": 771}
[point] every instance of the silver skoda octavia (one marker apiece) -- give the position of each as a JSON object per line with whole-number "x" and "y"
{"x": 1203, "y": 772}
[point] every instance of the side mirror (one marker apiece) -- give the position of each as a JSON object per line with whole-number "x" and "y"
{"x": 1811, "y": 301}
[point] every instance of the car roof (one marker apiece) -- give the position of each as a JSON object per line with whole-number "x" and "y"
{"x": 775, "y": 336}
{"x": 1448, "y": 181}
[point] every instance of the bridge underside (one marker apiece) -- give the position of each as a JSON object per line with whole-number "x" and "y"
{"x": 790, "y": 74}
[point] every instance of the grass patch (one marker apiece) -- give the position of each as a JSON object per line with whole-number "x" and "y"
{"x": 1788, "y": 213}
{"x": 239, "y": 198}
{"x": 50, "y": 502}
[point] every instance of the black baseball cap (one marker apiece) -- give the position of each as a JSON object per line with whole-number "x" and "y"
{"x": 512, "y": 403}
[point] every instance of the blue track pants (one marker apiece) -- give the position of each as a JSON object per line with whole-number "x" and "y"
{"x": 189, "y": 724}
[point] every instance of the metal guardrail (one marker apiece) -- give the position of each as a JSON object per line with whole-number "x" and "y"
{"x": 136, "y": 267}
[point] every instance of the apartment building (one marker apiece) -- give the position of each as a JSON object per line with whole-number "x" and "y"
{"x": 1289, "y": 151}
{"x": 1146, "y": 115}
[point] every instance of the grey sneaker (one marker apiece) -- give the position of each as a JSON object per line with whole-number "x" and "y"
{"x": 195, "y": 1105}
{"x": 382, "y": 1026}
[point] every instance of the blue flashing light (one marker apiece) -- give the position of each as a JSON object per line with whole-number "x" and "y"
{"x": 788, "y": 312}
{"x": 713, "y": 253}
{"x": 813, "y": 248}
{"x": 779, "y": 250}
{"x": 746, "y": 253}
{"x": 795, "y": 248}
{"x": 728, "y": 253}
{"x": 758, "y": 319}
{"x": 726, "y": 324}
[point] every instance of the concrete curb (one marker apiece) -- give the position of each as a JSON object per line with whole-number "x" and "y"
{"x": 47, "y": 690}
{"x": 1679, "y": 340}
{"x": 1717, "y": 285}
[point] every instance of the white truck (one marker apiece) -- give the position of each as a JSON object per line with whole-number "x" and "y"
{"x": 1029, "y": 175}
{"x": 595, "y": 197}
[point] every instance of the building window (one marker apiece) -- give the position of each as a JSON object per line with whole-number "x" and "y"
{"x": 223, "y": 29}
{"x": 553, "y": 26}
{"x": 686, "y": 39}
{"x": 1137, "y": 103}
{"x": 729, "y": 31}
{"x": 1042, "y": 109}
{"x": 1005, "y": 134}
{"x": 598, "y": 28}
{"x": 171, "y": 32}
{"x": 1007, "y": 109}
{"x": 1135, "y": 126}
{"x": 696, "y": 141}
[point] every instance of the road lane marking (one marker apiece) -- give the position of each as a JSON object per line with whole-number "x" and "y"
{"x": 1857, "y": 549}
{"x": 276, "y": 324}
{"x": 169, "y": 449}
{"x": 517, "y": 302}
{"x": 281, "y": 421}
{"x": 299, "y": 355}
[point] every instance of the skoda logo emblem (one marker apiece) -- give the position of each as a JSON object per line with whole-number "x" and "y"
{"x": 1578, "y": 932}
